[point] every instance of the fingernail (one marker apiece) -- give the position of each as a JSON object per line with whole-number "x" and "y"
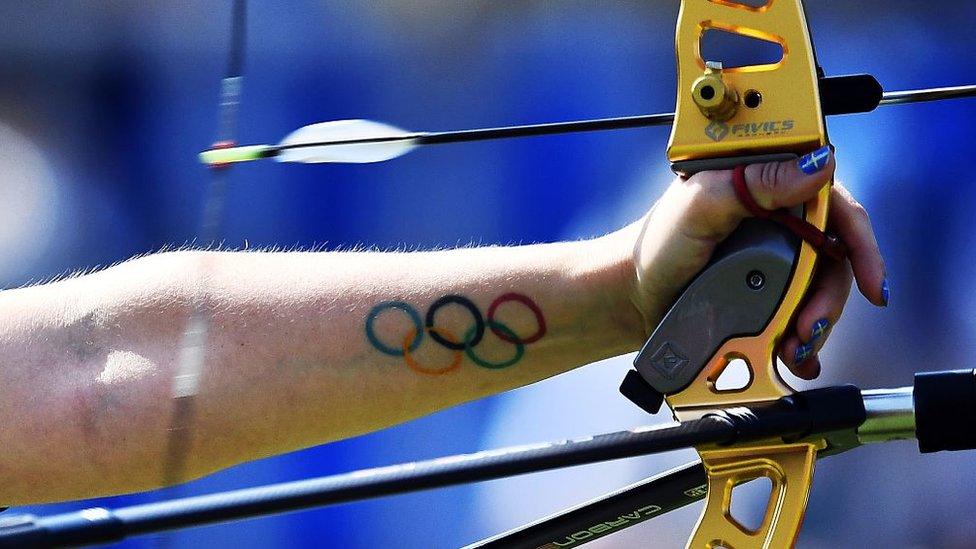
{"x": 814, "y": 162}
{"x": 884, "y": 292}
{"x": 802, "y": 353}
{"x": 819, "y": 327}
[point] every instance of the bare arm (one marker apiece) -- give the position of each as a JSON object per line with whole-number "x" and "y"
{"x": 304, "y": 348}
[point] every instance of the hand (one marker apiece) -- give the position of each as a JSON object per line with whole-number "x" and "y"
{"x": 677, "y": 237}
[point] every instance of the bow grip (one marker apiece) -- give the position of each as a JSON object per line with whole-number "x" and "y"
{"x": 736, "y": 294}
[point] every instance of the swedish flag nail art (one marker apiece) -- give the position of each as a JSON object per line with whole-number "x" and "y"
{"x": 814, "y": 162}
{"x": 802, "y": 353}
{"x": 819, "y": 328}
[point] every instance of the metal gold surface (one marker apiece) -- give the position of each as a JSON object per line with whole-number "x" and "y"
{"x": 788, "y": 119}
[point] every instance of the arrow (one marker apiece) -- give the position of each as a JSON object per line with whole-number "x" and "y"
{"x": 366, "y": 141}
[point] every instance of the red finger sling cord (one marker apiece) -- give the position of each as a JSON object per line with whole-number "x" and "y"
{"x": 821, "y": 241}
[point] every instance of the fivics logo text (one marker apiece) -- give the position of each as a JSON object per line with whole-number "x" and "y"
{"x": 718, "y": 131}
{"x": 770, "y": 127}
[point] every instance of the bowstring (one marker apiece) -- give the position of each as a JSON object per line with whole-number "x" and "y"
{"x": 193, "y": 345}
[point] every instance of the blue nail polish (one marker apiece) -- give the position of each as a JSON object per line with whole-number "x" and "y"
{"x": 884, "y": 292}
{"x": 814, "y": 162}
{"x": 819, "y": 328}
{"x": 802, "y": 353}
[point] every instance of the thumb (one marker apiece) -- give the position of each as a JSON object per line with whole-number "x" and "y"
{"x": 713, "y": 209}
{"x": 775, "y": 185}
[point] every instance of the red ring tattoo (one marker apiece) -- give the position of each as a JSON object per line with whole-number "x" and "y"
{"x": 540, "y": 320}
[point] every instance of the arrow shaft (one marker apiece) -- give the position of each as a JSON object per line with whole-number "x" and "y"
{"x": 503, "y": 132}
{"x": 218, "y": 156}
{"x": 603, "y": 124}
{"x": 551, "y": 128}
{"x": 641, "y": 121}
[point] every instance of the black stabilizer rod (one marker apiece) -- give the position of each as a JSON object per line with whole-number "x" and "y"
{"x": 794, "y": 416}
{"x": 99, "y": 525}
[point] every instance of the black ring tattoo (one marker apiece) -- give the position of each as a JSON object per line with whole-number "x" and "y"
{"x": 479, "y": 322}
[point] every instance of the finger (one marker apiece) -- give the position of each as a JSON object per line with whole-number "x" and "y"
{"x": 849, "y": 220}
{"x": 818, "y": 314}
{"x": 714, "y": 210}
{"x": 807, "y": 368}
{"x": 775, "y": 185}
{"x": 824, "y": 303}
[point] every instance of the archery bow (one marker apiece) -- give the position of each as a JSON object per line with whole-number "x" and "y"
{"x": 725, "y": 117}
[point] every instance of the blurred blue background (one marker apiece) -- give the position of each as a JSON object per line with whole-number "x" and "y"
{"x": 104, "y": 106}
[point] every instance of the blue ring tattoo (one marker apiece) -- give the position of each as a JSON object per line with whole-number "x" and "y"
{"x": 478, "y": 328}
{"x": 380, "y": 309}
{"x": 495, "y": 327}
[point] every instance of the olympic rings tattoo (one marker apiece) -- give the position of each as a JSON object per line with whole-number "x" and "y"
{"x": 479, "y": 323}
{"x": 380, "y": 309}
{"x": 508, "y": 335}
{"x": 460, "y": 347}
{"x": 496, "y": 327}
{"x": 408, "y": 342}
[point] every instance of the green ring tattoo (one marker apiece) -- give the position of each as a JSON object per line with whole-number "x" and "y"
{"x": 499, "y": 327}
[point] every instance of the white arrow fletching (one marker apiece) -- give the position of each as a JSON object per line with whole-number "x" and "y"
{"x": 329, "y": 133}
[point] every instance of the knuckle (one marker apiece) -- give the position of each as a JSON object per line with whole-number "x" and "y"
{"x": 769, "y": 184}
{"x": 860, "y": 212}
{"x": 685, "y": 202}
{"x": 710, "y": 207}
{"x": 699, "y": 195}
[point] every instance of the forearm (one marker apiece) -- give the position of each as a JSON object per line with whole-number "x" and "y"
{"x": 303, "y": 348}
{"x": 356, "y": 342}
